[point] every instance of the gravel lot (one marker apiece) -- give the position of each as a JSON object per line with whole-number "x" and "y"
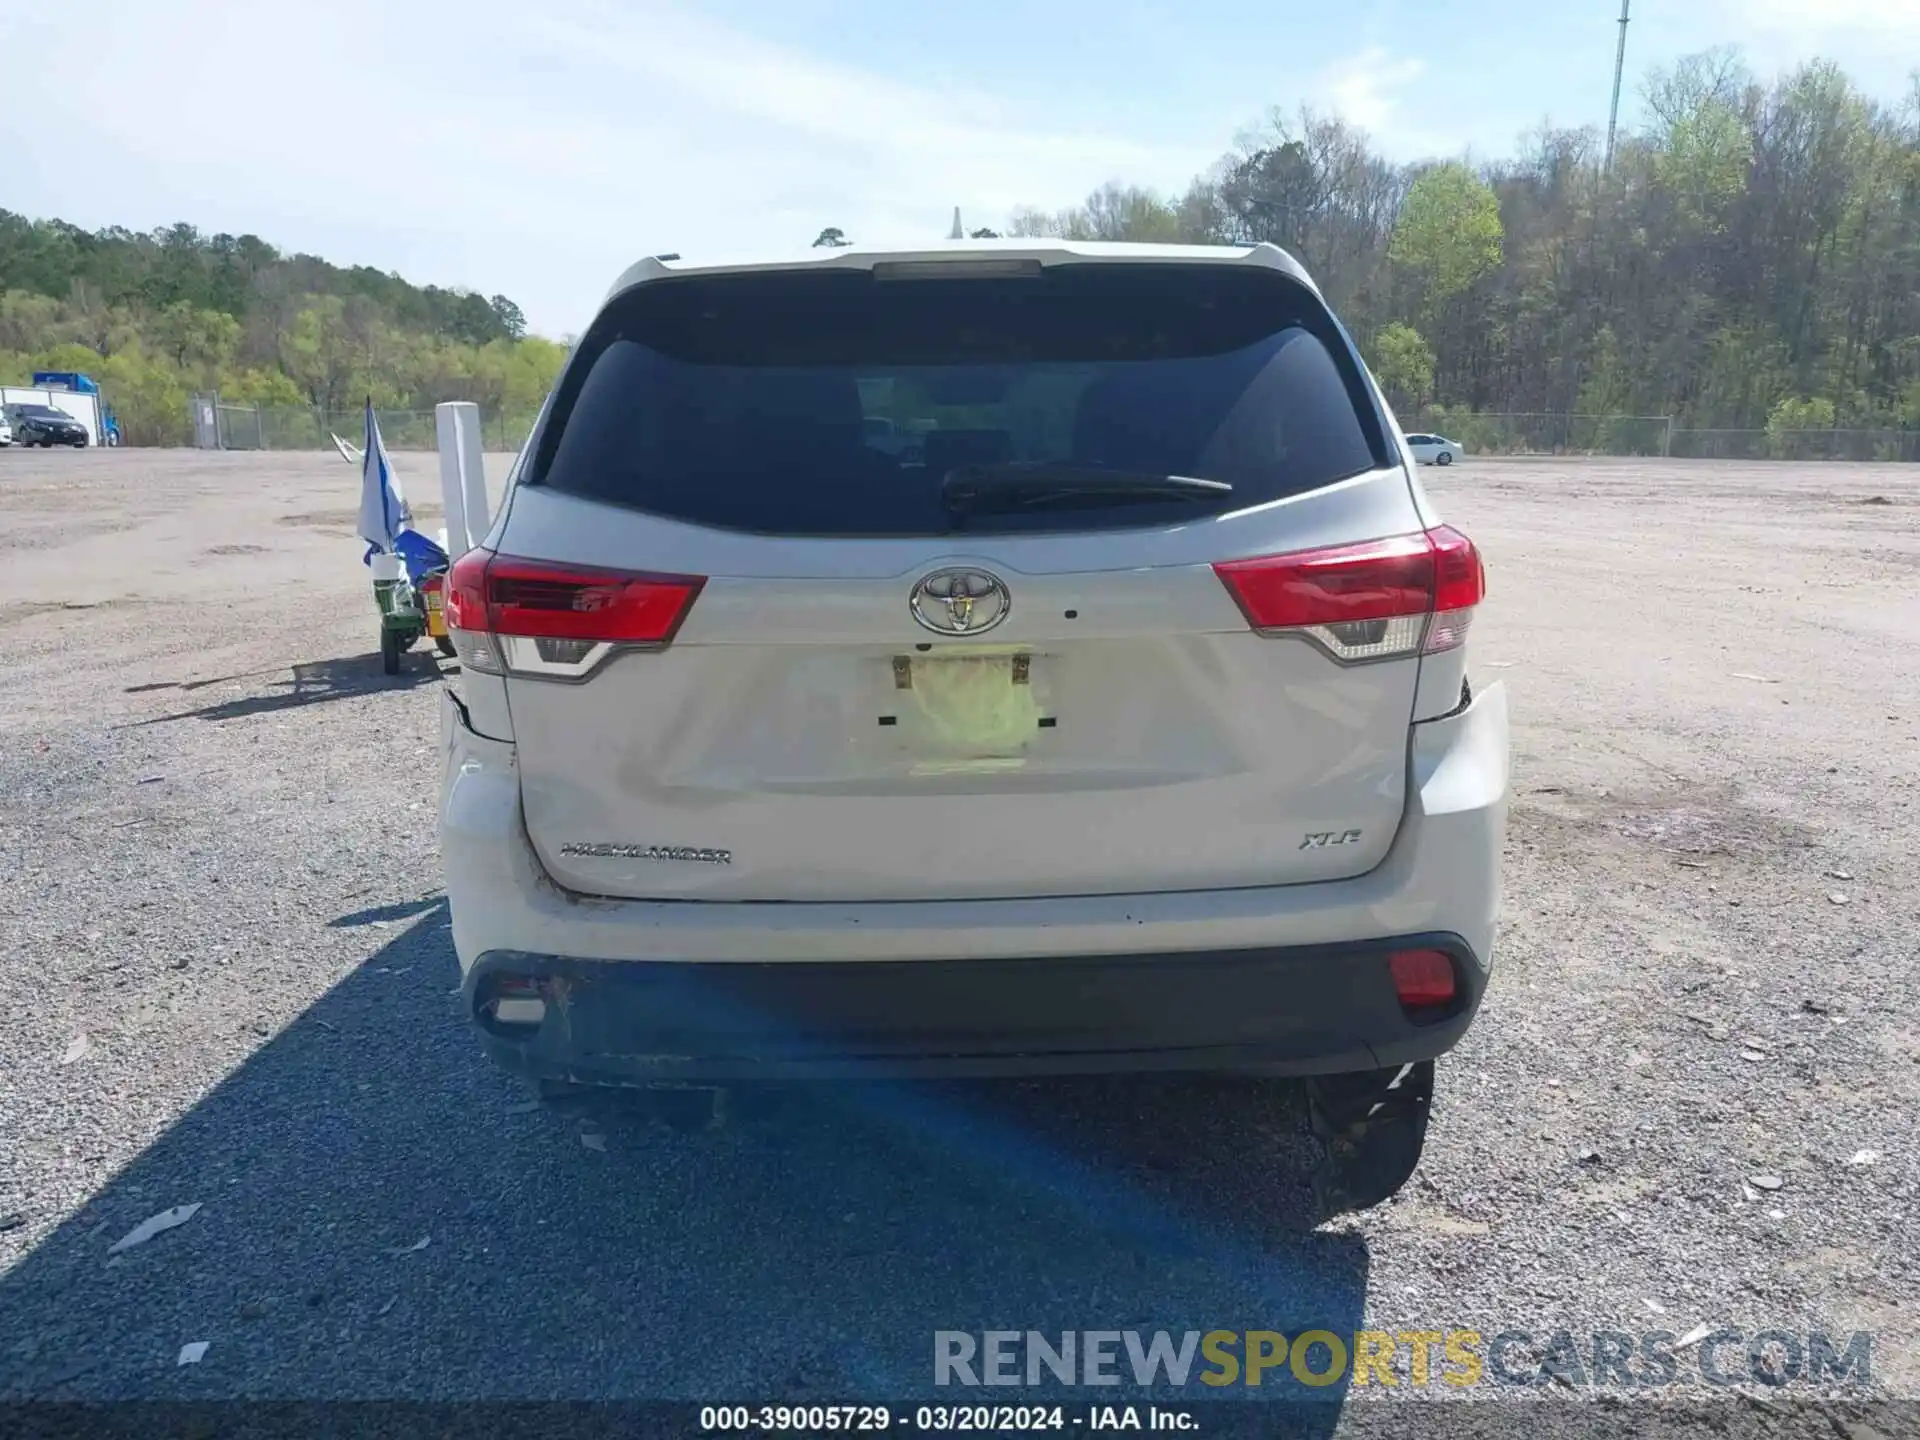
{"x": 216, "y": 828}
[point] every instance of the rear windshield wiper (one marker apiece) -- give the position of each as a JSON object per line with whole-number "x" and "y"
{"x": 1025, "y": 485}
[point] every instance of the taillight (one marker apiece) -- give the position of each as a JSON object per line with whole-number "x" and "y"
{"x": 1378, "y": 600}
{"x": 466, "y": 613}
{"x": 541, "y": 620}
{"x": 1459, "y": 584}
{"x": 1422, "y": 979}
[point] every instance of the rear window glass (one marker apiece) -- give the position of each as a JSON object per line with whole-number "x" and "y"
{"x": 843, "y": 404}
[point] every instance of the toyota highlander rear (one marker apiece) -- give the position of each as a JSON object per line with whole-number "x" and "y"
{"x": 1122, "y": 721}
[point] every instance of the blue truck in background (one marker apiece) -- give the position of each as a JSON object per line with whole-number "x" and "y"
{"x": 82, "y": 385}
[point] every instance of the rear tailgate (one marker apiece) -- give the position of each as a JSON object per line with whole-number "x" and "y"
{"x": 1097, "y": 716}
{"x": 834, "y": 750}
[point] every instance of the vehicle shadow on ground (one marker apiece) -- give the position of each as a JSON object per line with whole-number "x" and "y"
{"x": 189, "y": 685}
{"x": 387, "y": 914}
{"x": 314, "y": 683}
{"x": 383, "y": 1216}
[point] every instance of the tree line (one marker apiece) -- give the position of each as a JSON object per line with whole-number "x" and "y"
{"x": 1750, "y": 258}
{"x": 156, "y": 317}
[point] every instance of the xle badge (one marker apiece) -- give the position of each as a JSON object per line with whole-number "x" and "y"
{"x": 1321, "y": 839}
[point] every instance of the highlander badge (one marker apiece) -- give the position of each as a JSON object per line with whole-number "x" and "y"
{"x": 648, "y": 852}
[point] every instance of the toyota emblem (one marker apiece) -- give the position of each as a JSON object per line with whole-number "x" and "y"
{"x": 959, "y": 602}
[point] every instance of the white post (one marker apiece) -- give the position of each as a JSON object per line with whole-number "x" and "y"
{"x": 447, "y": 436}
{"x": 463, "y": 473}
{"x": 473, "y": 474}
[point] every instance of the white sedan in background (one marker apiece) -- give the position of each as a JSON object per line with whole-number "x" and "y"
{"x": 1435, "y": 449}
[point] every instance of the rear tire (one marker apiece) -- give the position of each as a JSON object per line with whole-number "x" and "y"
{"x": 389, "y": 651}
{"x": 1371, "y": 1127}
{"x": 1445, "y": 457}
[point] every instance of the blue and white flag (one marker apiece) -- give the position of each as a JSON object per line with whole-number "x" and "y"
{"x": 383, "y": 508}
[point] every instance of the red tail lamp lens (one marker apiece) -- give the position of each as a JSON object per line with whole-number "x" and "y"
{"x": 1423, "y": 979}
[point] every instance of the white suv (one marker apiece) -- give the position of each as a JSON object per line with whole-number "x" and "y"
{"x": 1125, "y": 726}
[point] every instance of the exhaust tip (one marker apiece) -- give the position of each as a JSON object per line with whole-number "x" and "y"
{"x": 519, "y": 1010}
{"x": 512, "y": 1003}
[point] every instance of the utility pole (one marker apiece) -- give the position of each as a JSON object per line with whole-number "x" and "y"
{"x": 1619, "y": 67}
{"x": 958, "y": 233}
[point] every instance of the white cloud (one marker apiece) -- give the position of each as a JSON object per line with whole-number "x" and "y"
{"x": 1875, "y": 41}
{"x": 1383, "y": 94}
{"x": 532, "y": 150}
{"x": 1890, "y": 19}
{"x": 1370, "y": 88}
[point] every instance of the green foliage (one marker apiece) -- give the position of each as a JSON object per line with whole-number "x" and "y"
{"x": 149, "y": 395}
{"x": 1750, "y": 260}
{"x": 1481, "y": 434}
{"x": 1742, "y": 373}
{"x": 1752, "y": 241}
{"x": 1113, "y": 212}
{"x": 155, "y": 318}
{"x": 1449, "y": 231}
{"x": 1800, "y": 412}
{"x": 232, "y": 275}
{"x": 1402, "y": 362}
{"x": 1608, "y": 388}
{"x": 513, "y": 322}
{"x": 1793, "y": 423}
{"x": 1705, "y": 163}
{"x": 832, "y": 238}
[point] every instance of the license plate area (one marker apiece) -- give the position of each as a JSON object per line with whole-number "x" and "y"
{"x": 1018, "y": 667}
{"x": 975, "y": 706}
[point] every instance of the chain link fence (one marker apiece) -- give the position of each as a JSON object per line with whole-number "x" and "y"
{"x": 219, "y": 424}
{"x": 1882, "y": 445}
{"x": 224, "y": 426}
{"x": 1549, "y": 434}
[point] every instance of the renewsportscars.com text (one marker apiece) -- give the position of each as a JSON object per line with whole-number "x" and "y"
{"x": 1612, "y": 1359}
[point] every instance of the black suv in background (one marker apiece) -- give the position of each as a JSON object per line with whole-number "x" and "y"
{"x": 43, "y": 425}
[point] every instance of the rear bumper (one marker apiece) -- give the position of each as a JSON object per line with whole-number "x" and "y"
{"x": 1291, "y": 1011}
{"x": 1268, "y": 978}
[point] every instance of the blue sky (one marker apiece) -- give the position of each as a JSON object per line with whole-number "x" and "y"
{"x": 536, "y": 149}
